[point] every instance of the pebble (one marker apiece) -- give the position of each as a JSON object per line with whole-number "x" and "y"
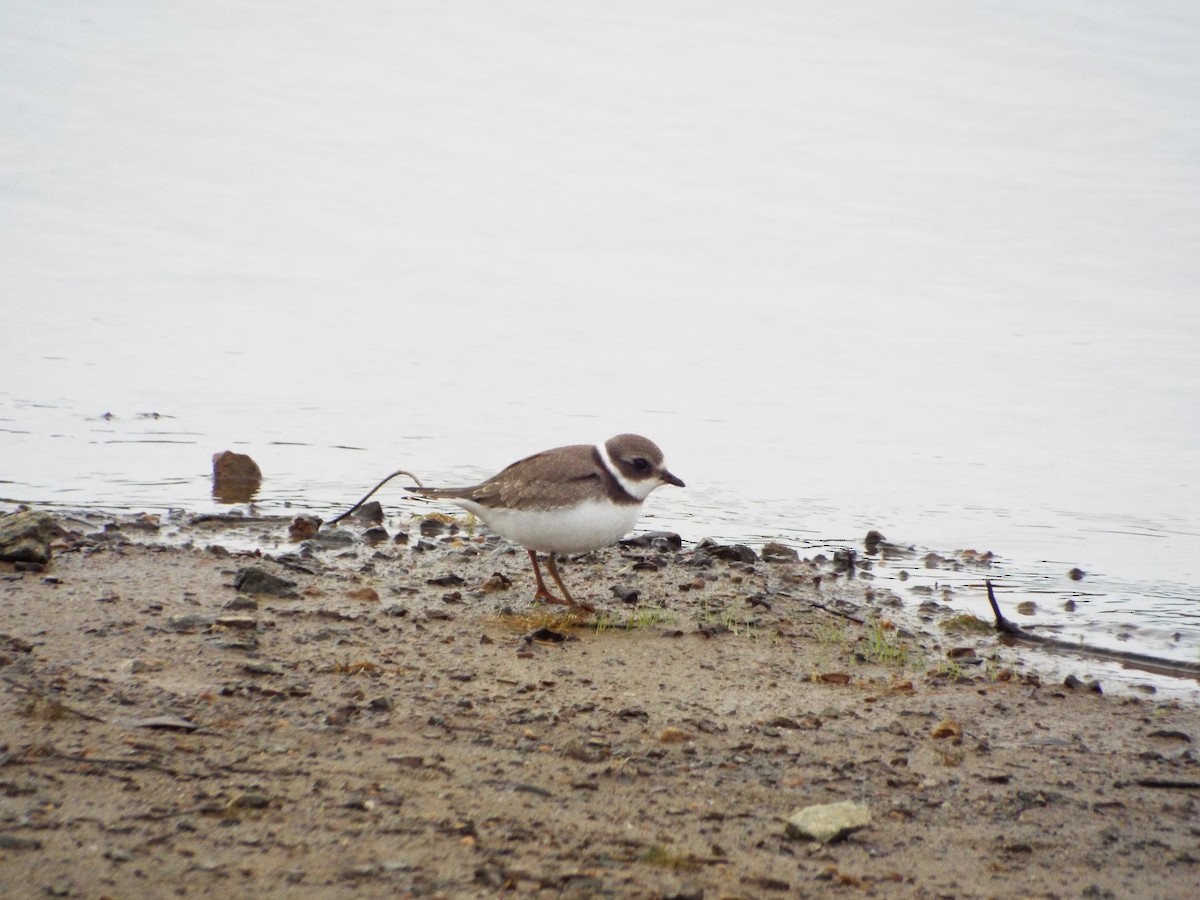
{"x": 187, "y": 622}
{"x": 370, "y": 513}
{"x": 774, "y": 552}
{"x": 827, "y": 822}
{"x": 304, "y": 527}
{"x": 263, "y": 667}
{"x": 725, "y": 552}
{"x": 25, "y": 536}
{"x": 625, "y": 593}
{"x": 253, "y": 580}
{"x": 655, "y": 540}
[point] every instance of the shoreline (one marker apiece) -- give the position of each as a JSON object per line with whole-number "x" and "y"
{"x": 401, "y": 719}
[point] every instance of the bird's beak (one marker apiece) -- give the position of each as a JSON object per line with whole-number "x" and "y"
{"x": 668, "y": 478}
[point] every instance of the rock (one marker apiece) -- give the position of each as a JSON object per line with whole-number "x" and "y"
{"x": 625, "y": 593}
{"x": 13, "y": 842}
{"x": 872, "y": 541}
{"x": 1076, "y": 574}
{"x": 253, "y": 580}
{"x": 655, "y": 540}
{"x": 25, "y": 536}
{"x": 236, "y": 477}
{"x": 142, "y": 666}
{"x": 947, "y": 728}
{"x": 827, "y": 822}
{"x": 303, "y": 527}
{"x": 675, "y": 736}
{"x": 774, "y": 552}
{"x": 1074, "y": 683}
{"x": 370, "y": 513}
{"x": 262, "y": 667}
{"x": 337, "y": 537}
{"x": 189, "y": 622}
{"x": 432, "y": 526}
{"x": 497, "y": 581}
{"x": 726, "y": 552}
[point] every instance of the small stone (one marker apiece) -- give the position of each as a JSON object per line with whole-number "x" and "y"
{"x": 304, "y": 527}
{"x": 947, "y": 728}
{"x": 253, "y": 580}
{"x": 365, "y": 594}
{"x": 249, "y": 800}
{"x": 335, "y": 537}
{"x": 497, "y": 581}
{"x": 828, "y": 821}
{"x": 590, "y": 751}
{"x": 12, "y": 842}
{"x": 774, "y": 552}
{"x": 141, "y": 666}
{"x": 625, "y": 593}
{"x": 1076, "y": 574}
{"x": 674, "y": 736}
{"x": 370, "y": 513}
{"x": 432, "y": 527}
{"x": 25, "y": 536}
{"x": 726, "y": 552}
{"x": 634, "y": 712}
{"x": 655, "y": 540}
{"x": 242, "y": 623}
{"x": 263, "y": 667}
{"x": 1027, "y": 608}
{"x": 166, "y": 723}
{"x": 188, "y": 622}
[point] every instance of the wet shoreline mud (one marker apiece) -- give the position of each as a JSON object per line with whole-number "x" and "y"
{"x": 203, "y": 707}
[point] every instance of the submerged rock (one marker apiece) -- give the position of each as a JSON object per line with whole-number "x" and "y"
{"x": 236, "y": 477}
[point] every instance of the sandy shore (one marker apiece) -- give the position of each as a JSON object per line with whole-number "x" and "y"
{"x": 401, "y": 721}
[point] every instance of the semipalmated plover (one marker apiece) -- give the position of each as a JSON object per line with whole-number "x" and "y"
{"x": 567, "y": 500}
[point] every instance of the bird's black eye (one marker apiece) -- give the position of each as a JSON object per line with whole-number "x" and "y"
{"x": 640, "y": 464}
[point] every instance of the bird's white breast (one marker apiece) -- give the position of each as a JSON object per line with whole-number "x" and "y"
{"x": 586, "y": 526}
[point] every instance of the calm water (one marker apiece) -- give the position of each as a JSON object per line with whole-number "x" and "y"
{"x": 929, "y": 269}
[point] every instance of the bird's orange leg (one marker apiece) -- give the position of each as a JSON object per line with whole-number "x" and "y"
{"x": 586, "y": 607}
{"x": 542, "y": 593}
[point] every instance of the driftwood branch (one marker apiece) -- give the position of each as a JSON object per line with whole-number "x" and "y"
{"x": 1156, "y": 665}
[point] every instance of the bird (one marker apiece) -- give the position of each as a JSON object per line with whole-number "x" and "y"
{"x": 571, "y": 499}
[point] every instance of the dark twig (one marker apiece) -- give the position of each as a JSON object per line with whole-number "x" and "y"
{"x": 372, "y": 491}
{"x": 1154, "y": 664}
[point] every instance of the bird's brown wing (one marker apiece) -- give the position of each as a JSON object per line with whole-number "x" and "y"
{"x": 545, "y": 480}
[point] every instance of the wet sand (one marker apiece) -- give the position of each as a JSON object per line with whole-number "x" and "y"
{"x": 401, "y": 720}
